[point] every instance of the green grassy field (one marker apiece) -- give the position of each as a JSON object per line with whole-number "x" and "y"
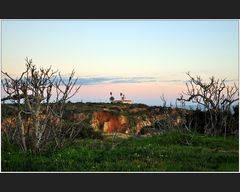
{"x": 171, "y": 151}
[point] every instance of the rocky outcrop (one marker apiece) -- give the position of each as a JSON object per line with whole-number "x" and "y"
{"x": 114, "y": 117}
{"x": 109, "y": 122}
{"x": 8, "y": 122}
{"x": 114, "y": 121}
{"x": 11, "y": 122}
{"x": 141, "y": 124}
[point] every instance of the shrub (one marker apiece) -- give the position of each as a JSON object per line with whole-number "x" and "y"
{"x": 82, "y": 130}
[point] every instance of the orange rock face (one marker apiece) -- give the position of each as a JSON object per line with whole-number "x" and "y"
{"x": 11, "y": 122}
{"x": 108, "y": 122}
{"x": 8, "y": 122}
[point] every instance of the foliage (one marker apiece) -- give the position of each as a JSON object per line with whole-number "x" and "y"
{"x": 84, "y": 130}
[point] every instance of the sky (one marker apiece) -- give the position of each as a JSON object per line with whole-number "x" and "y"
{"x": 141, "y": 58}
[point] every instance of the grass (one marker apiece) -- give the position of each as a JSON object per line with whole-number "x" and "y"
{"x": 171, "y": 151}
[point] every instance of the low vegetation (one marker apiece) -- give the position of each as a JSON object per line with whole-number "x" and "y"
{"x": 172, "y": 151}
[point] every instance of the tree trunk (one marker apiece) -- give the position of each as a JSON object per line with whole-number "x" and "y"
{"x": 23, "y": 135}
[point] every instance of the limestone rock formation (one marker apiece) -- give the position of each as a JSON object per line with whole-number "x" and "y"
{"x": 109, "y": 122}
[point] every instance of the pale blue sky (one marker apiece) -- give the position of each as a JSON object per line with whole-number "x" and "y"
{"x": 162, "y": 49}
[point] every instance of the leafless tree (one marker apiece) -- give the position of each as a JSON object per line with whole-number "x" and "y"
{"x": 164, "y": 102}
{"x": 168, "y": 122}
{"x": 214, "y": 96}
{"x": 32, "y": 92}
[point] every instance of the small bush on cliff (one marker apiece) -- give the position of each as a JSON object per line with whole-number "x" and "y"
{"x": 149, "y": 130}
{"x": 83, "y": 130}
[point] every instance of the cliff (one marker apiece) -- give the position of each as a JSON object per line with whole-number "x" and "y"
{"x": 125, "y": 118}
{"x": 114, "y": 117}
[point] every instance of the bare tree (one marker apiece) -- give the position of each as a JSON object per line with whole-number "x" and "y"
{"x": 168, "y": 121}
{"x": 214, "y": 96}
{"x": 164, "y": 102}
{"x": 32, "y": 92}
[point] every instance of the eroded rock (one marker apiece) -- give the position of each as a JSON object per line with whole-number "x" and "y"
{"x": 109, "y": 122}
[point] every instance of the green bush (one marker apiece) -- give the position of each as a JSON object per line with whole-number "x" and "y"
{"x": 85, "y": 130}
